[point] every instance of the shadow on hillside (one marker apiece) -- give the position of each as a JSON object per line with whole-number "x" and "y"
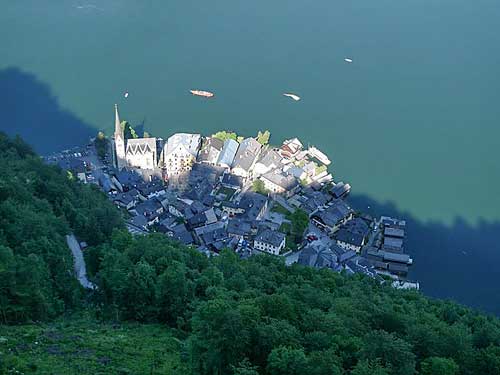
{"x": 29, "y": 108}
{"x": 460, "y": 262}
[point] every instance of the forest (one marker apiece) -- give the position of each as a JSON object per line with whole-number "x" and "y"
{"x": 175, "y": 311}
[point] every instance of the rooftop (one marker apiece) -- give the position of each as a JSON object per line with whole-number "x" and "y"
{"x": 271, "y": 237}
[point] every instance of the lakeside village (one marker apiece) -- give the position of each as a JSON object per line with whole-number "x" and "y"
{"x": 226, "y": 191}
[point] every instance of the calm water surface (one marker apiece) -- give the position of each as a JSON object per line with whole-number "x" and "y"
{"x": 414, "y": 120}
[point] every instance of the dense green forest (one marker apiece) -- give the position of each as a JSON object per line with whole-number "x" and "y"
{"x": 163, "y": 308}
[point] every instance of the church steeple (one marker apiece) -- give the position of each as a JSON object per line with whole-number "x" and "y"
{"x": 118, "y": 126}
{"x": 120, "y": 160}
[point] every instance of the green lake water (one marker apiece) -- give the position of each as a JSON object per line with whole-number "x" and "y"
{"x": 414, "y": 120}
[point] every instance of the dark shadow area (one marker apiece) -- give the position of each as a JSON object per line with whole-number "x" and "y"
{"x": 29, "y": 109}
{"x": 458, "y": 262}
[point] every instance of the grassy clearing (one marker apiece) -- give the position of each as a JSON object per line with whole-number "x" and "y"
{"x": 86, "y": 347}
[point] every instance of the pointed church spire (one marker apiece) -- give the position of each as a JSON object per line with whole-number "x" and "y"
{"x": 118, "y": 126}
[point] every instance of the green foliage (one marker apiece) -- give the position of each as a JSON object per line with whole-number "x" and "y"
{"x": 230, "y": 316}
{"x": 263, "y": 137}
{"x": 224, "y": 136}
{"x": 128, "y": 131}
{"x": 439, "y": 366}
{"x": 39, "y": 205}
{"x": 259, "y": 187}
{"x": 101, "y": 145}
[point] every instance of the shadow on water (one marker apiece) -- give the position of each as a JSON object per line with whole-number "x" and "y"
{"x": 29, "y": 108}
{"x": 459, "y": 262}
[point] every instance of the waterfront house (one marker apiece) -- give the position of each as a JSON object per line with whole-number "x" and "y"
{"x": 210, "y": 151}
{"x": 228, "y": 153}
{"x": 270, "y": 241}
{"x": 141, "y": 153}
{"x": 340, "y": 190}
{"x": 180, "y": 152}
{"x": 268, "y": 161}
{"x": 246, "y": 157}
{"x": 330, "y": 218}
{"x": 343, "y": 255}
{"x": 290, "y": 148}
{"x": 352, "y": 235}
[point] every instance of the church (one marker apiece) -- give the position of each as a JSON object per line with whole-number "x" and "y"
{"x": 177, "y": 155}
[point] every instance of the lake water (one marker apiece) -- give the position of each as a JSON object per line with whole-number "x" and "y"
{"x": 414, "y": 120}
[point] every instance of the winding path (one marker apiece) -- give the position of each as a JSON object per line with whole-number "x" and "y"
{"x": 79, "y": 262}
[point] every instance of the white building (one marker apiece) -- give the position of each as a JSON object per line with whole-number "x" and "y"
{"x": 137, "y": 153}
{"x": 141, "y": 153}
{"x": 246, "y": 157}
{"x": 180, "y": 152}
{"x": 270, "y": 241}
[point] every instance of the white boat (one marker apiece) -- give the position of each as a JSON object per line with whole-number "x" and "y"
{"x": 125, "y": 94}
{"x": 348, "y": 60}
{"x": 204, "y": 94}
{"x": 293, "y": 96}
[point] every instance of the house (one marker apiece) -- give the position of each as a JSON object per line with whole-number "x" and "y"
{"x": 393, "y": 243}
{"x": 181, "y": 234}
{"x": 254, "y": 206}
{"x": 128, "y": 179}
{"x": 210, "y": 151}
{"x": 231, "y": 208}
{"x": 352, "y": 235}
{"x": 127, "y": 200}
{"x": 394, "y": 232}
{"x": 246, "y": 157}
{"x": 167, "y": 222}
{"x": 280, "y": 183}
{"x": 239, "y": 228}
{"x": 340, "y": 190}
{"x": 231, "y": 181}
{"x": 314, "y": 200}
{"x": 317, "y": 255}
{"x": 343, "y": 255}
{"x": 268, "y": 161}
{"x": 336, "y": 214}
{"x": 139, "y": 221}
{"x": 180, "y": 152}
{"x": 296, "y": 172}
{"x": 270, "y": 241}
{"x": 227, "y": 154}
{"x": 151, "y": 189}
{"x": 290, "y": 148}
{"x": 349, "y": 240}
{"x": 202, "y": 219}
{"x": 150, "y": 209}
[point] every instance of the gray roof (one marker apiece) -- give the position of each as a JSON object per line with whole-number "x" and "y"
{"x": 394, "y": 232}
{"x": 252, "y": 203}
{"x": 287, "y": 182}
{"x": 247, "y": 153}
{"x": 342, "y": 254}
{"x": 270, "y": 158}
{"x": 395, "y": 257}
{"x": 317, "y": 255}
{"x": 190, "y": 142}
{"x": 271, "y": 237}
{"x": 343, "y": 235}
{"x": 340, "y": 189}
{"x": 141, "y": 145}
{"x": 228, "y": 152}
{"x": 239, "y": 227}
{"x": 336, "y": 212}
{"x": 232, "y": 180}
{"x": 210, "y": 150}
{"x": 393, "y": 242}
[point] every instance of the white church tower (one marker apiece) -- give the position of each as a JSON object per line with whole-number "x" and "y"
{"x": 119, "y": 142}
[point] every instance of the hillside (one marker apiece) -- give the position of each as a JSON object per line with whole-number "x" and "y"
{"x": 162, "y": 307}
